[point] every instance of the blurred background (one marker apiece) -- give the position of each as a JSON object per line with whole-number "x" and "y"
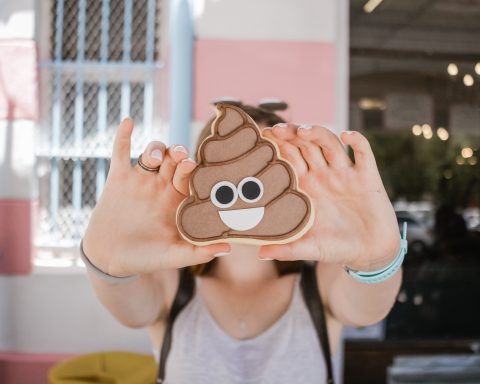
{"x": 405, "y": 73}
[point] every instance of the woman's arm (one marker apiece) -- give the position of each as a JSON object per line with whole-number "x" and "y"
{"x": 352, "y": 302}
{"x": 355, "y": 223}
{"x": 132, "y": 230}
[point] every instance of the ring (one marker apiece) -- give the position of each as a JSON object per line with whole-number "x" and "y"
{"x": 149, "y": 169}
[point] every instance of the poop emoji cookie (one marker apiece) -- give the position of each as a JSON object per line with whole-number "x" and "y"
{"x": 242, "y": 190}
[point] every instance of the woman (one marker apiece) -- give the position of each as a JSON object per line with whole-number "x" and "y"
{"x": 246, "y": 321}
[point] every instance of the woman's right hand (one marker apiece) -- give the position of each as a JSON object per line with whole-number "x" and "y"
{"x": 132, "y": 229}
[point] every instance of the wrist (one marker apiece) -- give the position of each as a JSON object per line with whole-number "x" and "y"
{"x": 100, "y": 270}
{"x": 373, "y": 264}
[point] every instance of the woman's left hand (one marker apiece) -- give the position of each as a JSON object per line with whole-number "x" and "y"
{"x": 355, "y": 223}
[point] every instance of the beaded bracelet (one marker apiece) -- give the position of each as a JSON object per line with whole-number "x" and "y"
{"x": 385, "y": 273}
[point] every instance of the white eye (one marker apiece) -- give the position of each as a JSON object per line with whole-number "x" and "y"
{"x": 224, "y": 194}
{"x": 250, "y": 189}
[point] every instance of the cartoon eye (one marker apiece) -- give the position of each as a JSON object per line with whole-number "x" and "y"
{"x": 250, "y": 189}
{"x": 224, "y": 194}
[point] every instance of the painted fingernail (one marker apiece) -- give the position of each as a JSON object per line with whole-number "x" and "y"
{"x": 157, "y": 154}
{"x": 220, "y": 254}
{"x": 180, "y": 148}
{"x": 280, "y": 125}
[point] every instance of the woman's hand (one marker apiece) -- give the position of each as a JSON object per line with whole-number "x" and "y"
{"x": 132, "y": 229}
{"x": 355, "y": 223}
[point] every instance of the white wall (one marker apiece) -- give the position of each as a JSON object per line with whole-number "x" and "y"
{"x": 59, "y": 313}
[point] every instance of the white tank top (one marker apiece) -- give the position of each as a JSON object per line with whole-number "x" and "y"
{"x": 287, "y": 352}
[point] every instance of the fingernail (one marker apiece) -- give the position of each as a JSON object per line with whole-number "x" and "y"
{"x": 157, "y": 154}
{"x": 180, "y": 148}
{"x": 188, "y": 159}
{"x": 305, "y": 126}
{"x": 280, "y": 125}
{"x": 220, "y": 254}
{"x": 265, "y": 258}
{"x": 349, "y": 132}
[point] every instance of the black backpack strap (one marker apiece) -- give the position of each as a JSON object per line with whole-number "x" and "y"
{"x": 185, "y": 292}
{"x": 311, "y": 295}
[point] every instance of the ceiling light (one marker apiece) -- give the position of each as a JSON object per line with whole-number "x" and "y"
{"x": 426, "y": 129}
{"x": 369, "y": 104}
{"x": 477, "y": 68}
{"x": 452, "y": 69}
{"x": 370, "y": 5}
{"x": 442, "y": 134}
{"x": 468, "y": 80}
{"x": 417, "y": 130}
{"x": 467, "y": 152}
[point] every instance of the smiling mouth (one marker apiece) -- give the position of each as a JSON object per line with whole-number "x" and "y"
{"x": 242, "y": 219}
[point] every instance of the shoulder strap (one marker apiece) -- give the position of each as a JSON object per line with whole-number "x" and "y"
{"x": 185, "y": 292}
{"x": 313, "y": 301}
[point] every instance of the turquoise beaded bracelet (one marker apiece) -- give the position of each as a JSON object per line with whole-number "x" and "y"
{"x": 385, "y": 273}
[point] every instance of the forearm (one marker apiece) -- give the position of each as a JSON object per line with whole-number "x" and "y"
{"x": 134, "y": 304}
{"x": 354, "y": 303}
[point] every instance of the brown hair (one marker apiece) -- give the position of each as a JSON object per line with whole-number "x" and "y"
{"x": 262, "y": 117}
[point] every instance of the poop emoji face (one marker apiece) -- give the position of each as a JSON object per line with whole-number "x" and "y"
{"x": 242, "y": 190}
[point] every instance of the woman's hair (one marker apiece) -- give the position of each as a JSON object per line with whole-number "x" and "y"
{"x": 263, "y": 117}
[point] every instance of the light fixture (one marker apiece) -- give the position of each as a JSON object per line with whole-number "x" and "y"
{"x": 426, "y": 129}
{"x": 370, "y": 5}
{"x": 428, "y": 135}
{"x": 367, "y": 103}
{"x": 417, "y": 130}
{"x": 460, "y": 160}
{"x": 452, "y": 69}
{"x": 477, "y": 68}
{"x": 442, "y": 134}
{"x": 467, "y": 152}
{"x": 468, "y": 80}
{"x": 472, "y": 160}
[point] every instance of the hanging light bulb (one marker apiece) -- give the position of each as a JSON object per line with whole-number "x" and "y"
{"x": 452, "y": 69}
{"x": 468, "y": 80}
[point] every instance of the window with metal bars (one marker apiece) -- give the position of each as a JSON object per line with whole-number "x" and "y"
{"x": 103, "y": 63}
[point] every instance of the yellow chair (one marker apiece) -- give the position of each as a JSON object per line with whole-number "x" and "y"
{"x": 106, "y": 368}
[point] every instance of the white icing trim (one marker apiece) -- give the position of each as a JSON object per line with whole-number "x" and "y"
{"x": 242, "y": 219}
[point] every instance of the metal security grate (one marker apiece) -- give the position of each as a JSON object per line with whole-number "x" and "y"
{"x": 102, "y": 67}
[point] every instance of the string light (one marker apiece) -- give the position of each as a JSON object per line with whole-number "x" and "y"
{"x": 468, "y": 80}
{"x": 477, "y": 68}
{"x": 467, "y": 152}
{"x": 417, "y": 130}
{"x": 452, "y": 69}
{"x": 370, "y": 6}
{"x": 442, "y": 134}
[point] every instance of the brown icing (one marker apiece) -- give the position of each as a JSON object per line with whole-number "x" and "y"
{"x": 236, "y": 150}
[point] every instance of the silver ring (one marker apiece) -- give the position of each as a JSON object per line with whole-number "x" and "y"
{"x": 149, "y": 169}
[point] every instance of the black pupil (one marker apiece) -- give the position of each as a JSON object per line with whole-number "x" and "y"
{"x": 224, "y": 194}
{"x": 251, "y": 190}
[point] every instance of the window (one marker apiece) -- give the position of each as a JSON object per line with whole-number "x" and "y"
{"x": 103, "y": 61}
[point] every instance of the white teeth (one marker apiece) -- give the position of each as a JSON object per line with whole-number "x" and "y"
{"x": 242, "y": 219}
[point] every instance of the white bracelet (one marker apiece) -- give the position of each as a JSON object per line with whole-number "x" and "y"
{"x": 385, "y": 273}
{"x": 103, "y": 275}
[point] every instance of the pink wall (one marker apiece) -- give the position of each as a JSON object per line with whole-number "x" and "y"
{"x": 15, "y": 236}
{"x": 23, "y": 368}
{"x": 300, "y": 73}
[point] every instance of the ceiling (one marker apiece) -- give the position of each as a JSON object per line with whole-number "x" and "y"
{"x": 420, "y": 36}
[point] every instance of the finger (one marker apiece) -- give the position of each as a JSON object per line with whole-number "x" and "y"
{"x": 332, "y": 147}
{"x": 182, "y": 175}
{"x": 183, "y": 254}
{"x": 153, "y": 155}
{"x": 292, "y": 154}
{"x": 362, "y": 151}
{"x": 285, "y": 131}
{"x": 173, "y": 156}
{"x": 121, "y": 145}
{"x": 288, "y": 151}
{"x": 302, "y": 249}
{"x": 312, "y": 153}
